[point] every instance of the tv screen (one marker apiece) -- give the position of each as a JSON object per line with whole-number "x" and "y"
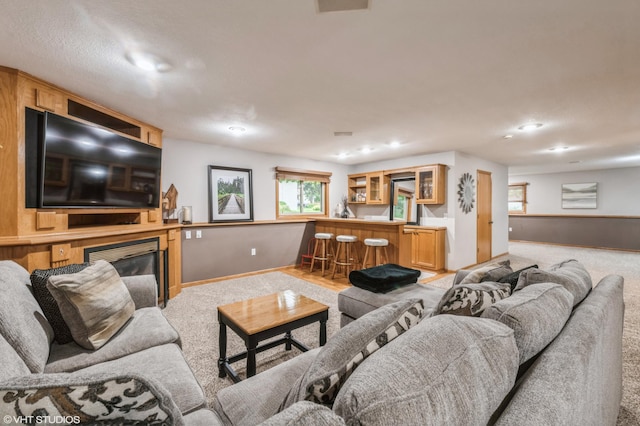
{"x": 88, "y": 166}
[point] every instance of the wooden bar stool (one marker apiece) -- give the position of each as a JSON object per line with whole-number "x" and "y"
{"x": 322, "y": 250}
{"x": 346, "y": 254}
{"x": 379, "y": 251}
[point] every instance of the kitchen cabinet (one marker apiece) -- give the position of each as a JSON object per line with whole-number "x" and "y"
{"x": 430, "y": 184}
{"x": 427, "y": 247}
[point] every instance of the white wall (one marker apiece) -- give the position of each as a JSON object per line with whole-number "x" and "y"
{"x": 185, "y": 165}
{"x": 617, "y": 191}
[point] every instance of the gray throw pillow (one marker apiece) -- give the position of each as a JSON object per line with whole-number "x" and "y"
{"x": 349, "y": 348}
{"x": 536, "y": 314}
{"x": 492, "y": 272}
{"x": 94, "y": 303}
{"x": 472, "y": 299}
{"x": 570, "y": 274}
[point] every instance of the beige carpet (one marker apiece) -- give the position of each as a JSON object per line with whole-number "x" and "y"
{"x": 193, "y": 313}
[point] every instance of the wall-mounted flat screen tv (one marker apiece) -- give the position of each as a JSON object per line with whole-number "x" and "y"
{"x": 88, "y": 166}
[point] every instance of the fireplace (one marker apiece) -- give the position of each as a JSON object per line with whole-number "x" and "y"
{"x": 140, "y": 257}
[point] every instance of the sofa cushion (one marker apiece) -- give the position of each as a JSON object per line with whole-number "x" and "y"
{"x": 355, "y": 302}
{"x": 536, "y": 314}
{"x": 22, "y": 322}
{"x": 472, "y": 299}
{"x": 164, "y": 364}
{"x": 383, "y": 278}
{"x": 101, "y": 399}
{"x": 513, "y": 277}
{"x": 94, "y": 303}
{"x": 491, "y": 272}
{"x": 39, "y": 278}
{"x": 147, "y": 328}
{"x": 12, "y": 365}
{"x": 446, "y": 369}
{"x": 349, "y": 348}
{"x": 570, "y": 274}
{"x": 305, "y": 413}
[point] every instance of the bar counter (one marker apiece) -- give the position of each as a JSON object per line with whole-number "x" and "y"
{"x": 399, "y": 249}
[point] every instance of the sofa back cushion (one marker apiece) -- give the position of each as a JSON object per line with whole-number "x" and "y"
{"x": 536, "y": 314}
{"x": 446, "y": 369}
{"x": 94, "y": 303}
{"x": 337, "y": 360}
{"x": 12, "y": 365}
{"x": 570, "y": 274}
{"x": 22, "y": 322}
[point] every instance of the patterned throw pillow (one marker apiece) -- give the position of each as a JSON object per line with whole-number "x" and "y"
{"x": 349, "y": 348}
{"x": 119, "y": 400}
{"x": 492, "y": 272}
{"x": 94, "y": 303}
{"x": 39, "y": 278}
{"x": 472, "y": 299}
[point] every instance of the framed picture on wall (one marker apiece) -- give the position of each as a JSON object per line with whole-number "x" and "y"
{"x": 230, "y": 196}
{"x": 579, "y": 195}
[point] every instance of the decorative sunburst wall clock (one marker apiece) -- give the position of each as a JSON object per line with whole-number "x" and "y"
{"x": 466, "y": 192}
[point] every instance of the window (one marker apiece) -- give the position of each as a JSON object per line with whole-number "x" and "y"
{"x": 518, "y": 198}
{"x": 301, "y": 192}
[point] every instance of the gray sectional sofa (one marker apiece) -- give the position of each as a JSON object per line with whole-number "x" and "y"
{"x": 139, "y": 376}
{"x": 549, "y": 352}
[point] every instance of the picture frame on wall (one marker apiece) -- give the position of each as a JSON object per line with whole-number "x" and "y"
{"x": 580, "y": 195}
{"x": 230, "y": 194}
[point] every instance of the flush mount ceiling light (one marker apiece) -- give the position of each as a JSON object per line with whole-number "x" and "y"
{"x": 528, "y": 127}
{"x": 508, "y": 136}
{"x": 237, "y": 129}
{"x": 394, "y": 144}
{"x": 366, "y": 150}
{"x": 148, "y": 61}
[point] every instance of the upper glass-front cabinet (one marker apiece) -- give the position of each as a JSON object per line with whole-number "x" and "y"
{"x": 430, "y": 184}
{"x": 377, "y": 188}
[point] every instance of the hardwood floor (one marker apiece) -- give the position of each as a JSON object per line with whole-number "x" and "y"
{"x": 340, "y": 282}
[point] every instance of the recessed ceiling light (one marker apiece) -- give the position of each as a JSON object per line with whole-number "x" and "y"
{"x": 528, "y": 127}
{"x": 237, "y": 129}
{"x": 148, "y": 61}
{"x": 343, "y": 155}
{"x": 508, "y": 136}
{"x": 366, "y": 150}
{"x": 394, "y": 144}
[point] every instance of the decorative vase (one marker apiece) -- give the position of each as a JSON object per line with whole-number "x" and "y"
{"x": 345, "y": 213}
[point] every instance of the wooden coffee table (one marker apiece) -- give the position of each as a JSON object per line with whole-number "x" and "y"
{"x": 260, "y": 318}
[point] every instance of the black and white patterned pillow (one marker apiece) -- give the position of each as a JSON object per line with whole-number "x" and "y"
{"x": 117, "y": 400}
{"x": 39, "y": 278}
{"x": 472, "y": 299}
{"x": 324, "y": 390}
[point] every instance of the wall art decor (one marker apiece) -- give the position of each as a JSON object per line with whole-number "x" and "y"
{"x": 466, "y": 192}
{"x": 579, "y": 195}
{"x": 230, "y": 197}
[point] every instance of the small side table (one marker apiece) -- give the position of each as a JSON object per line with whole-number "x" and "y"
{"x": 261, "y": 318}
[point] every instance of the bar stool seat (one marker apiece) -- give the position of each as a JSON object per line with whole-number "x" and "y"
{"x": 377, "y": 244}
{"x": 346, "y": 254}
{"x": 322, "y": 250}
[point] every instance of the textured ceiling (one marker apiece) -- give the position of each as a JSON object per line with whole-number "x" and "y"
{"x": 433, "y": 75}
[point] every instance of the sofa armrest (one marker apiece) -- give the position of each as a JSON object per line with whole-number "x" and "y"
{"x": 89, "y": 398}
{"x": 254, "y": 400}
{"x": 143, "y": 289}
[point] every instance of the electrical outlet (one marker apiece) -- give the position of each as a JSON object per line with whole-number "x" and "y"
{"x": 187, "y": 235}
{"x": 198, "y": 233}
{"x": 510, "y": 229}
{"x": 253, "y": 252}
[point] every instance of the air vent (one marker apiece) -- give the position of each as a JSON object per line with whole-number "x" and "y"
{"x": 341, "y": 5}
{"x": 342, "y": 133}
